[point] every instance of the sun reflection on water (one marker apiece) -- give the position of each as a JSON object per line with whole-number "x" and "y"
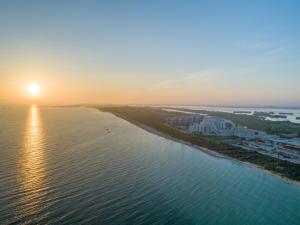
{"x": 32, "y": 165}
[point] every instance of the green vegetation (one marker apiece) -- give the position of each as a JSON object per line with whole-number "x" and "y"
{"x": 254, "y": 122}
{"x": 156, "y": 118}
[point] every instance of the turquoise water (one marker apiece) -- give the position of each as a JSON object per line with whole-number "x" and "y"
{"x": 82, "y": 166}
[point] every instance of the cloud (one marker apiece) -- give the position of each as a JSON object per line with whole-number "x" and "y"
{"x": 187, "y": 81}
{"x": 204, "y": 86}
{"x": 252, "y": 44}
{"x": 275, "y": 51}
{"x": 210, "y": 78}
{"x": 262, "y": 47}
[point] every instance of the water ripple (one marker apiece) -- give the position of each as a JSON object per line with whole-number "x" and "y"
{"x": 62, "y": 166}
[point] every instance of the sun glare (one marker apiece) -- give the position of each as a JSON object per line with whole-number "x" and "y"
{"x": 33, "y": 89}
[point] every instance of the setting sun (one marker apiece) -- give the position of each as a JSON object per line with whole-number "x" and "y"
{"x": 33, "y": 89}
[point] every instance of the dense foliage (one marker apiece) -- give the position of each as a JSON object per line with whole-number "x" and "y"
{"x": 155, "y": 118}
{"x": 255, "y": 122}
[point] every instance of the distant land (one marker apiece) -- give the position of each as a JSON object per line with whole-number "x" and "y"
{"x": 154, "y": 120}
{"x": 292, "y": 106}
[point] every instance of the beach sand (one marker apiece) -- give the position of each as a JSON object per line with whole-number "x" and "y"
{"x": 211, "y": 152}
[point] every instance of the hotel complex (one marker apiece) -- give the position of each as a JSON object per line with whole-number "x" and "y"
{"x": 248, "y": 139}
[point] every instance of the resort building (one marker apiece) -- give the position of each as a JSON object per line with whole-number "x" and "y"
{"x": 211, "y": 125}
{"x": 249, "y": 139}
{"x": 185, "y": 120}
{"x": 249, "y": 134}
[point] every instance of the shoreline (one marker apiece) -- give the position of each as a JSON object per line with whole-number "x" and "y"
{"x": 209, "y": 151}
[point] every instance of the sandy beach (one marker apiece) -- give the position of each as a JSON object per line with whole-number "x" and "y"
{"x": 211, "y": 152}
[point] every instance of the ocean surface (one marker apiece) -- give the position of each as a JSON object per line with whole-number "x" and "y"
{"x": 82, "y": 166}
{"x": 290, "y": 113}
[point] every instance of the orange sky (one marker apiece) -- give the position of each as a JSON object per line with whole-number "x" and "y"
{"x": 187, "y": 53}
{"x": 203, "y": 88}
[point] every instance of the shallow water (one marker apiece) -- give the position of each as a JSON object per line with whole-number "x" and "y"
{"x": 295, "y": 112}
{"x": 79, "y": 165}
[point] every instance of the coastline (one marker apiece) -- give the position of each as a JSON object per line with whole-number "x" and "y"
{"x": 208, "y": 151}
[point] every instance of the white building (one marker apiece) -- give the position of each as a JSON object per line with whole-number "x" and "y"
{"x": 249, "y": 134}
{"x": 211, "y": 125}
{"x": 185, "y": 120}
{"x": 273, "y": 145}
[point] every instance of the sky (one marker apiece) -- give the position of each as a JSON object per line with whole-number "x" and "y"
{"x": 151, "y": 52}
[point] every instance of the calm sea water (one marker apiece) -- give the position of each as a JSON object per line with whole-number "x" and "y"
{"x": 294, "y": 112}
{"x": 82, "y": 166}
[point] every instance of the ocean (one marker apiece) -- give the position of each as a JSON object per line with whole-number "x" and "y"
{"x": 64, "y": 165}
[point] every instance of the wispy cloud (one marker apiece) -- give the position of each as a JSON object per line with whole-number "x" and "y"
{"x": 261, "y": 48}
{"x": 275, "y": 51}
{"x": 204, "y": 86}
{"x": 188, "y": 81}
{"x": 252, "y": 44}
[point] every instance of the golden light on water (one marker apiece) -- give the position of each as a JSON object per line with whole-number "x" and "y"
{"x": 32, "y": 164}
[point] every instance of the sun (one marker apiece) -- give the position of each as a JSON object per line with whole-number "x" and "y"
{"x": 33, "y": 89}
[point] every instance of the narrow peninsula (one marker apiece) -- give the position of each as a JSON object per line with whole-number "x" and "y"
{"x": 155, "y": 120}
